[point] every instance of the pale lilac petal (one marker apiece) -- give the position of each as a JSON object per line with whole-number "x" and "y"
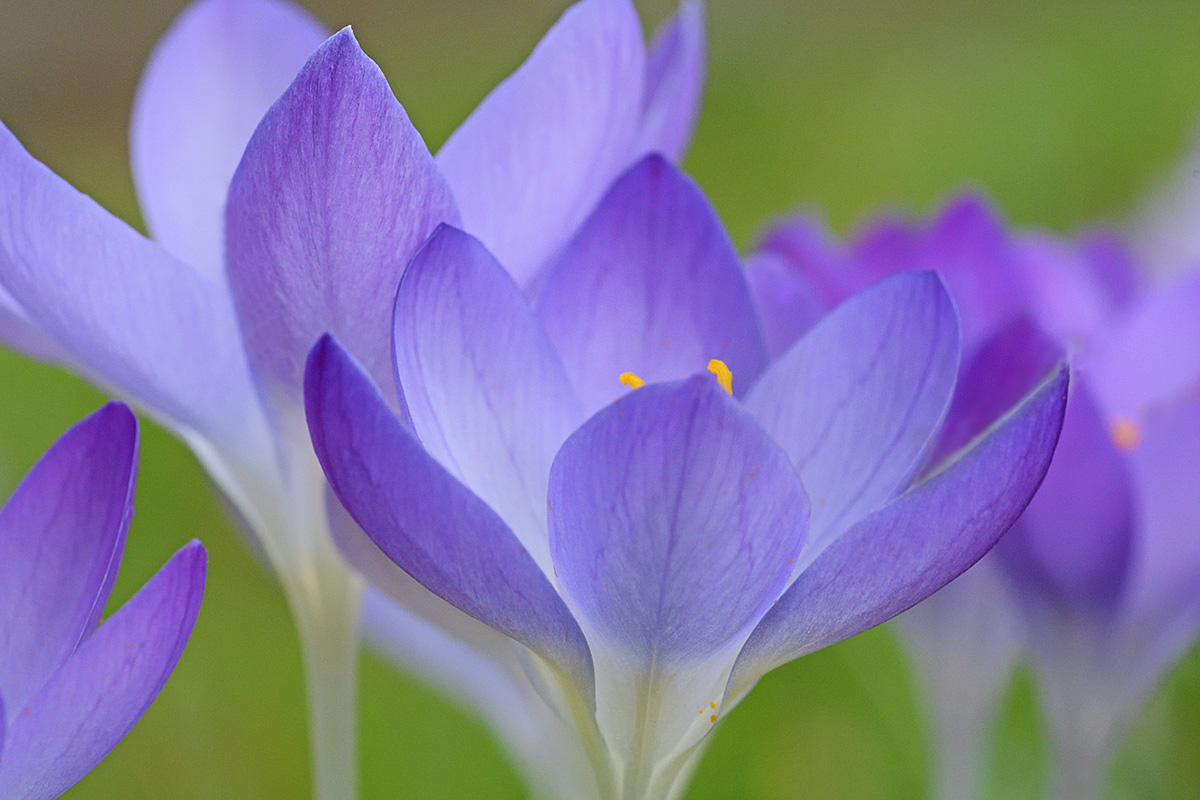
{"x": 334, "y": 196}
{"x": 427, "y": 522}
{"x": 854, "y": 402}
{"x": 674, "y": 521}
{"x": 905, "y": 551}
{"x": 131, "y": 316}
{"x": 674, "y": 84}
{"x": 61, "y": 537}
{"x": 19, "y": 333}
{"x": 1072, "y": 544}
{"x": 89, "y": 705}
{"x": 208, "y": 83}
{"x": 531, "y": 161}
{"x": 488, "y": 396}
{"x": 650, "y": 285}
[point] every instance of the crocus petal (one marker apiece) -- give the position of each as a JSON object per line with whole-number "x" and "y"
{"x": 673, "y": 520}
{"x": 918, "y": 543}
{"x": 1073, "y": 542}
{"x": 855, "y": 401}
{"x": 61, "y": 537}
{"x": 488, "y": 396}
{"x": 427, "y": 522}
{"x": 89, "y": 705}
{"x": 129, "y": 314}
{"x": 651, "y": 285}
{"x": 674, "y": 84}
{"x": 19, "y": 333}
{"x": 532, "y": 160}
{"x": 335, "y": 194}
{"x": 209, "y": 81}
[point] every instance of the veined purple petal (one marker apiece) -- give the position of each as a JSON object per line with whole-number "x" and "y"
{"x": 907, "y": 550}
{"x": 674, "y": 521}
{"x": 129, "y": 314}
{"x": 651, "y": 285}
{"x": 1072, "y": 544}
{"x": 89, "y": 705}
{"x": 335, "y": 194}
{"x": 61, "y": 537}
{"x": 208, "y": 83}
{"x": 854, "y": 402}
{"x": 17, "y": 332}
{"x": 488, "y": 396}
{"x": 531, "y": 161}
{"x": 425, "y": 521}
{"x": 674, "y": 84}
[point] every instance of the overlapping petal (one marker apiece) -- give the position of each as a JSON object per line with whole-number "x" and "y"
{"x": 855, "y": 402}
{"x": 334, "y": 195}
{"x": 531, "y": 161}
{"x": 488, "y": 396}
{"x": 61, "y": 537}
{"x": 425, "y": 521}
{"x": 210, "y": 80}
{"x": 674, "y": 83}
{"x": 98, "y": 695}
{"x": 651, "y": 284}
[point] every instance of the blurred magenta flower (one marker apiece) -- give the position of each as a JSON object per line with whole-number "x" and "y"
{"x": 69, "y": 691}
{"x": 1100, "y": 577}
{"x": 639, "y": 559}
{"x": 286, "y": 190}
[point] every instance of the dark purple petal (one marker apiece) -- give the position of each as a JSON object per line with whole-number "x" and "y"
{"x": 887, "y": 245}
{"x": 651, "y": 285}
{"x": 94, "y": 700}
{"x": 854, "y": 402}
{"x": 129, "y": 315}
{"x": 61, "y": 537}
{"x": 209, "y": 81}
{"x": 425, "y": 521}
{"x": 1001, "y": 372}
{"x": 1072, "y": 544}
{"x": 531, "y": 161}
{"x": 335, "y": 194}
{"x": 674, "y": 84}
{"x": 488, "y": 396}
{"x": 907, "y": 550}
{"x": 674, "y": 520}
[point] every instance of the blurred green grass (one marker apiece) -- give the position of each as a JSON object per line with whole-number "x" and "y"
{"x": 1062, "y": 110}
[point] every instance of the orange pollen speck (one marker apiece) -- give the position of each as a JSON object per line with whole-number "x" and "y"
{"x": 1125, "y": 433}
{"x": 631, "y": 380}
{"x": 724, "y": 375}
{"x": 713, "y": 718}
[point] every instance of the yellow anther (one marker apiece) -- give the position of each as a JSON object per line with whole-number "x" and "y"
{"x": 1126, "y": 434}
{"x": 631, "y": 380}
{"x": 724, "y": 376}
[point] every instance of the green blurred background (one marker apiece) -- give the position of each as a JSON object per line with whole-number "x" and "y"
{"x": 1064, "y": 111}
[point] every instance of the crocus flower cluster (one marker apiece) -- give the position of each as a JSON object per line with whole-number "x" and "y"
{"x": 1099, "y": 580}
{"x": 69, "y": 691}
{"x": 653, "y": 551}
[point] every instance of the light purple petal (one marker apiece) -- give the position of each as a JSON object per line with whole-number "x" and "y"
{"x": 61, "y": 537}
{"x": 89, "y": 705}
{"x": 531, "y": 161}
{"x": 854, "y": 402}
{"x": 427, "y": 522}
{"x": 488, "y": 396}
{"x": 130, "y": 315}
{"x": 1072, "y": 544}
{"x": 335, "y": 194}
{"x": 918, "y": 543}
{"x": 19, "y": 333}
{"x": 674, "y": 521}
{"x": 650, "y": 285}
{"x": 674, "y": 84}
{"x": 209, "y": 81}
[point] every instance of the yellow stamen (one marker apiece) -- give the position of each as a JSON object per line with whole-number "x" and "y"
{"x": 1126, "y": 434}
{"x": 724, "y": 376}
{"x": 631, "y": 380}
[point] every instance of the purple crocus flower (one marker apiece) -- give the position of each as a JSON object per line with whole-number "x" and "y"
{"x": 286, "y": 189}
{"x": 639, "y": 558}
{"x": 69, "y": 691}
{"x": 1100, "y": 578}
